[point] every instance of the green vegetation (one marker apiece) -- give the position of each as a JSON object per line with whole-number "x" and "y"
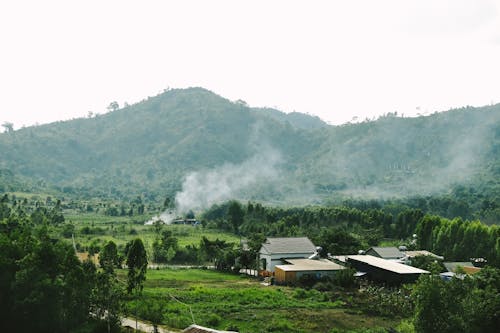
{"x": 448, "y": 160}
{"x": 93, "y": 182}
{"x": 228, "y": 301}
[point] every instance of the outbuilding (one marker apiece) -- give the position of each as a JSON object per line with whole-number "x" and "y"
{"x": 387, "y": 252}
{"x": 298, "y": 268}
{"x": 383, "y": 270}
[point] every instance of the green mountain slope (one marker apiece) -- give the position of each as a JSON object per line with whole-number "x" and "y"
{"x": 216, "y": 148}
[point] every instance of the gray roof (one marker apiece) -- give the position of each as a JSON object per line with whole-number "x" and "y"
{"x": 387, "y": 265}
{"x": 387, "y": 252}
{"x": 288, "y": 245}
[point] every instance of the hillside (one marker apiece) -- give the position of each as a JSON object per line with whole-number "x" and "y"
{"x": 211, "y": 148}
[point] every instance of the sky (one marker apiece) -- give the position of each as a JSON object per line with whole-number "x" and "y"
{"x": 340, "y": 60}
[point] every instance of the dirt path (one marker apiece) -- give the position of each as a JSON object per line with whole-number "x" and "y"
{"x": 142, "y": 326}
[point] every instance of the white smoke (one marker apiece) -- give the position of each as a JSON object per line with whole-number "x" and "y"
{"x": 166, "y": 217}
{"x": 202, "y": 189}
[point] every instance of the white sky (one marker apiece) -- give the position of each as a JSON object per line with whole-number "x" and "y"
{"x": 335, "y": 59}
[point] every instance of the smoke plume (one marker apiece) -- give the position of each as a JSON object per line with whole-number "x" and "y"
{"x": 202, "y": 189}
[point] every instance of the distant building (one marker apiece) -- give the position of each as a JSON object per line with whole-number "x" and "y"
{"x": 297, "y": 268}
{"x": 388, "y": 253}
{"x": 274, "y": 251}
{"x": 382, "y": 270}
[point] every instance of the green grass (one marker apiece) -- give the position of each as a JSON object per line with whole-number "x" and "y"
{"x": 226, "y": 301}
{"x": 122, "y": 229}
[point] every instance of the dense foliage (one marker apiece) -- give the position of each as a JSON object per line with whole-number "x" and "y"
{"x": 345, "y": 230}
{"x": 468, "y": 305}
{"x": 43, "y": 286}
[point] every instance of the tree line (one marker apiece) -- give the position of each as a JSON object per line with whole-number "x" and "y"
{"x": 345, "y": 230}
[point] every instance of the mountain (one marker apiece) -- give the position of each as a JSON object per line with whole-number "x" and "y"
{"x": 208, "y": 148}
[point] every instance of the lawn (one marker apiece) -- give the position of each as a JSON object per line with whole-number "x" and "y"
{"x": 227, "y": 301}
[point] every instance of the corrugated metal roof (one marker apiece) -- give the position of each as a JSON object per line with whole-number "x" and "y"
{"x": 387, "y": 252}
{"x": 387, "y": 264}
{"x": 289, "y": 245}
{"x": 298, "y": 265}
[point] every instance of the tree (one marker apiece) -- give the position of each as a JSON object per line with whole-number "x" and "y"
{"x": 137, "y": 263}
{"x": 107, "y": 299}
{"x": 8, "y": 127}
{"x": 236, "y": 215}
{"x": 113, "y": 106}
{"x": 108, "y": 258}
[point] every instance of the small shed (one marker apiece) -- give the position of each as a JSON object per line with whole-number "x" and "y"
{"x": 298, "y": 268}
{"x": 274, "y": 251}
{"x": 388, "y": 253}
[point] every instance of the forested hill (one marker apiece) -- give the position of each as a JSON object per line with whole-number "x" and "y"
{"x": 253, "y": 153}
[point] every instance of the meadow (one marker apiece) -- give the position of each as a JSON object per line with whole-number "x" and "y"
{"x": 98, "y": 229}
{"x": 176, "y": 298}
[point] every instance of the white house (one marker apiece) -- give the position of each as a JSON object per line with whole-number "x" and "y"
{"x": 274, "y": 251}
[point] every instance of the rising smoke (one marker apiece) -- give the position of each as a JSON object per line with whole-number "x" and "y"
{"x": 201, "y": 189}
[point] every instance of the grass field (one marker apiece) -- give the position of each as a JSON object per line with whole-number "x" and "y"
{"x": 121, "y": 229}
{"x": 227, "y": 301}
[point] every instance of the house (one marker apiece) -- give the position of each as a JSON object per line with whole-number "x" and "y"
{"x": 200, "y": 329}
{"x": 383, "y": 270}
{"x": 388, "y": 253}
{"x": 297, "y": 268}
{"x": 275, "y": 250}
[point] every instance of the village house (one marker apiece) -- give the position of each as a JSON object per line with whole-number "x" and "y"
{"x": 274, "y": 251}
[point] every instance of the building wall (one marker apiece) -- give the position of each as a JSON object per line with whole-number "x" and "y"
{"x": 282, "y": 276}
{"x": 277, "y": 259}
{"x": 381, "y": 275}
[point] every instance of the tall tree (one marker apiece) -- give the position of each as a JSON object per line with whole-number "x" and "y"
{"x": 137, "y": 263}
{"x": 108, "y": 258}
{"x": 236, "y": 215}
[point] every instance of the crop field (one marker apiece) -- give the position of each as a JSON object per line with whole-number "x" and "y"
{"x": 92, "y": 227}
{"x": 232, "y": 302}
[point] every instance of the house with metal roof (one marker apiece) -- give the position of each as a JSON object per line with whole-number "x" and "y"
{"x": 297, "y": 268}
{"x": 274, "y": 251}
{"x": 383, "y": 270}
{"x": 389, "y": 253}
